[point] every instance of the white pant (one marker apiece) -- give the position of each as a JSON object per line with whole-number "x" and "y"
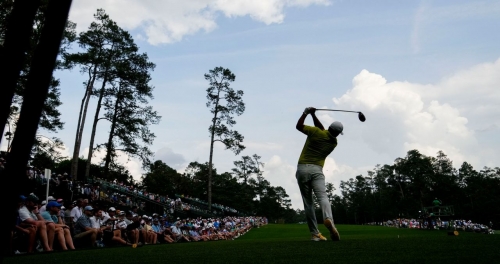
{"x": 311, "y": 179}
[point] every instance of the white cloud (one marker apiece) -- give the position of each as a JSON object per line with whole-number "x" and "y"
{"x": 170, "y": 20}
{"x": 133, "y": 165}
{"x": 403, "y": 116}
{"x": 280, "y": 173}
{"x": 172, "y": 159}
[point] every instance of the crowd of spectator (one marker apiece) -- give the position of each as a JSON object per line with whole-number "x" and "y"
{"x": 172, "y": 203}
{"x": 437, "y": 223}
{"x": 45, "y": 226}
{"x": 55, "y": 224}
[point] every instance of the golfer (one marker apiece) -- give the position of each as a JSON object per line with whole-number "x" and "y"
{"x": 319, "y": 144}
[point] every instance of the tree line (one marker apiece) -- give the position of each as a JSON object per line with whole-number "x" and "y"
{"x": 413, "y": 182}
{"x": 244, "y": 188}
{"x": 118, "y": 77}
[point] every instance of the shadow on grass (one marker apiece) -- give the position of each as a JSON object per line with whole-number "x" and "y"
{"x": 291, "y": 243}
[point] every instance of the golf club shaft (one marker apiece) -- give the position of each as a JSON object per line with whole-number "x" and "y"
{"x": 337, "y": 110}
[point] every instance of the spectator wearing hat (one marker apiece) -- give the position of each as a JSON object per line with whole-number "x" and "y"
{"x": 160, "y": 232}
{"x": 52, "y": 214}
{"x": 177, "y": 232}
{"x": 142, "y": 230}
{"x": 25, "y": 230}
{"x": 44, "y": 203}
{"x": 114, "y": 227}
{"x": 83, "y": 227}
{"x": 167, "y": 231}
{"x": 77, "y": 211}
{"x": 29, "y": 215}
{"x": 151, "y": 236}
{"x": 110, "y": 215}
{"x": 132, "y": 230}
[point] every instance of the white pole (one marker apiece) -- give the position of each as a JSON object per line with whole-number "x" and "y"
{"x": 47, "y": 176}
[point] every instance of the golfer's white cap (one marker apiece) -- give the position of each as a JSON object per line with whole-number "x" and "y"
{"x": 336, "y": 127}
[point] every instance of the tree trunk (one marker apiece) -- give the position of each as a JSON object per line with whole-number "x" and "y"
{"x": 76, "y": 148}
{"x": 211, "y": 154}
{"x": 81, "y": 123}
{"x": 109, "y": 145}
{"x": 94, "y": 126}
{"x": 210, "y": 167}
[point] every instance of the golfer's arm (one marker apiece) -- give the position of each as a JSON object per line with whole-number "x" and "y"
{"x": 316, "y": 122}
{"x": 300, "y": 123}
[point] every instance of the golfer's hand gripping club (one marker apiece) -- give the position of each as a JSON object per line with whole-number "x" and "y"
{"x": 309, "y": 110}
{"x": 306, "y": 111}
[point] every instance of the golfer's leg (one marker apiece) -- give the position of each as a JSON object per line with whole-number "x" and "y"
{"x": 304, "y": 183}
{"x": 319, "y": 188}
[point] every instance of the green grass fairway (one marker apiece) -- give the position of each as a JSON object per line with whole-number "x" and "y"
{"x": 291, "y": 244}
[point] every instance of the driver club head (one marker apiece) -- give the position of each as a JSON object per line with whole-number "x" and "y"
{"x": 361, "y": 117}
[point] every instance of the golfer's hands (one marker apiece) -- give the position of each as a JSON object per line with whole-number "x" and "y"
{"x": 307, "y": 110}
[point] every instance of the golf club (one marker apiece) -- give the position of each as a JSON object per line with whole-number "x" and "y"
{"x": 361, "y": 117}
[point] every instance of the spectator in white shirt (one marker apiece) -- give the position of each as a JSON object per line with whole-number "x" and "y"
{"x": 44, "y": 204}
{"x": 77, "y": 211}
{"x": 177, "y": 232}
{"x": 29, "y": 214}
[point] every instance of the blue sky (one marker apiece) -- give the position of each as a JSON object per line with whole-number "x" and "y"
{"x": 425, "y": 74}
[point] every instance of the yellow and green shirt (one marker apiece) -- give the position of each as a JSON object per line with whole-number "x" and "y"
{"x": 319, "y": 144}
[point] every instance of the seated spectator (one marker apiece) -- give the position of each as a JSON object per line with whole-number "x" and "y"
{"x": 83, "y": 227}
{"x": 193, "y": 235}
{"x": 29, "y": 215}
{"x": 177, "y": 232}
{"x": 150, "y": 234}
{"x": 205, "y": 234}
{"x": 116, "y": 233}
{"x": 132, "y": 227}
{"x": 44, "y": 203}
{"x": 25, "y": 231}
{"x": 142, "y": 231}
{"x": 62, "y": 232}
{"x": 97, "y": 222}
{"x": 77, "y": 211}
{"x": 167, "y": 231}
{"x": 160, "y": 232}
{"x": 199, "y": 230}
